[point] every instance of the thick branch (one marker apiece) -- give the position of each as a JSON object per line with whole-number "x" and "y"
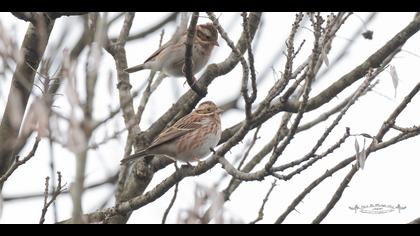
{"x": 188, "y": 70}
{"x": 141, "y": 173}
{"x": 32, "y": 50}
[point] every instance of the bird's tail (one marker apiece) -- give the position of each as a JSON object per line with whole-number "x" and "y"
{"x": 132, "y": 157}
{"x": 135, "y": 68}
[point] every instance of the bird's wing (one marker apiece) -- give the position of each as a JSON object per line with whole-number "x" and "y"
{"x": 152, "y": 57}
{"x": 134, "y": 156}
{"x": 158, "y": 51}
{"x": 173, "y": 41}
{"x": 181, "y": 127}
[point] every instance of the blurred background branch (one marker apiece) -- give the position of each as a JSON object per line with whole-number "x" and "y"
{"x": 272, "y": 102}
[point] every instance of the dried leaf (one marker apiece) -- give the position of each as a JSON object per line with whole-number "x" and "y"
{"x": 357, "y": 148}
{"x": 36, "y": 119}
{"x": 361, "y": 157}
{"x": 368, "y": 34}
{"x": 41, "y": 114}
{"x": 395, "y": 79}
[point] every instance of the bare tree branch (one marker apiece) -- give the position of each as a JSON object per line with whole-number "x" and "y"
{"x": 237, "y": 53}
{"x": 188, "y": 56}
{"x": 374, "y": 146}
{"x": 337, "y": 195}
{"x": 285, "y": 101}
{"x": 261, "y": 211}
{"x": 171, "y": 203}
{"x": 32, "y": 50}
{"x": 56, "y": 191}
{"x": 374, "y": 61}
{"x": 109, "y": 180}
{"x": 378, "y": 138}
{"x": 18, "y": 162}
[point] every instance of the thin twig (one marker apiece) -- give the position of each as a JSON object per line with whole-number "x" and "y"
{"x": 52, "y": 171}
{"x": 324, "y": 116}
{"x": 250, "y": 146}
{"x": 237, "y": 53}
{"x": 150, "y": 88}
{"x": 165, "y": 215}
{"x": 56, "y": 191}
{"x": 250, "y": 58}
{"x": 18, "y": 162}
{"x": 188, "y": 69}
{"x": 98, "y": 30}
{"x": 405, "y": 130}
{"x": 374, "y": 146}
{"x": 281, "y": 84}
{"x": 261, "y": 211}
{"x": 109, "y": 180}
{"x": 277, "y": 151}
{"x": 317, "y": 158}
{"x": 389, "y": 123}
{"x": 337, "y": 195}
{"x": 360, "y": 91}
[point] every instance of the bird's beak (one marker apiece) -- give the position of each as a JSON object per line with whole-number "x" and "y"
{"x": 218, "y": 111}
{"x": 216, "y": 43}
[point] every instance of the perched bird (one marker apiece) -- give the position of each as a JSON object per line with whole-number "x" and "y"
{"x": 191, "y": 138}
{"x": 169, "y": 58}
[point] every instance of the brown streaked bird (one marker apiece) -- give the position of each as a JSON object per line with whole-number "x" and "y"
{"x": 169, "y": 58}
{"x": 190, "y": 139}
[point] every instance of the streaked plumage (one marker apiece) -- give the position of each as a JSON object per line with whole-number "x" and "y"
{"x": 190, "y": 138}
{"x": 169, "y": 58}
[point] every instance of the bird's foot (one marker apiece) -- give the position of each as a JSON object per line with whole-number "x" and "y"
{"x": 199, "y": 162}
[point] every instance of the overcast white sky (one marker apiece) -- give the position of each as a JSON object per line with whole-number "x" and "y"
{"x": 390, "y": 176}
